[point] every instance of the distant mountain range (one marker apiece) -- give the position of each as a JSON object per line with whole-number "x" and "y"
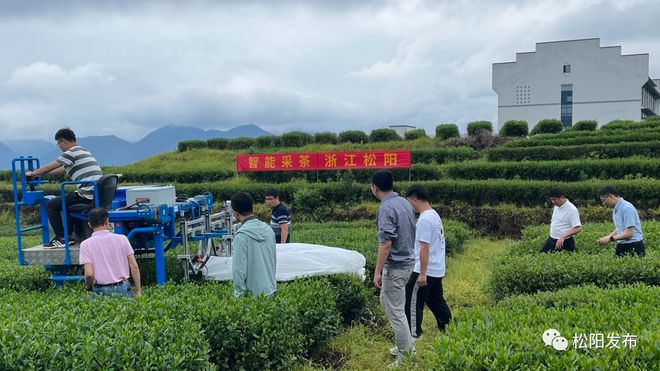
{"x": 111, "y": 150}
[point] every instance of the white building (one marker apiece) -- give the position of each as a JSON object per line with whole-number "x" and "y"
{"x": 575, "y": 80}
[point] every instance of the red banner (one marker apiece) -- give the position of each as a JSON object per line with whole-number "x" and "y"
{"x": 323, "y": 161}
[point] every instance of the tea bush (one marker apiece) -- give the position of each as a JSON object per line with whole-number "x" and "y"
{"x": 325, "y": 138}
{"x": 353, "y": 136}
{"x": 560, "y": 153}
{"x": 415, "y": 134}
{"x": 268, "y": 141}
{"x": 446, "y": 131}
{"x": 585, "y": 125}
{"x": 383, "y": 135}
{"x": 241, "y": 143}
{"x": 603, "y": 137}
{"x": 217, "y": 143}
{"x": 296, "y": 139}
{"x": 189, "y": 326}
{"x": 547, "y": 126}
{"x": 528, "y": 274}
{"x": 509, "y": 335}
{"x": 567, "y": 171}
{"x": 473, "y": 128}
{"x": 515, "y": 128}
{"x": 188, "y": 145}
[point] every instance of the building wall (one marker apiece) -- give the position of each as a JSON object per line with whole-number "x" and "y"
{"x": 606, "y": 84}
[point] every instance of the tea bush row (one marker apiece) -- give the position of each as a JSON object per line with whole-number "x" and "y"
{"x": 566, "y": 171}
{"x": 557, "y": 153}
{"x": 508, "y": 336}
{"x": 172, "y": 327}
{"x": 528, "y": 274}
{"x": 600, "y": 138}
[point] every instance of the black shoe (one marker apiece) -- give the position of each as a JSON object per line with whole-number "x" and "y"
{"x": 54, "y": 243}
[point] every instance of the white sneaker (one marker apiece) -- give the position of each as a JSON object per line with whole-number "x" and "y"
{"x": 395, "y": 352}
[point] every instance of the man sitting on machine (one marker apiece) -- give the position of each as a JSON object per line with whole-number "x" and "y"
{"x": 79, "y": 164}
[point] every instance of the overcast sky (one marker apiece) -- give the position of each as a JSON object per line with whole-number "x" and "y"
{"x": 128, "y": 67}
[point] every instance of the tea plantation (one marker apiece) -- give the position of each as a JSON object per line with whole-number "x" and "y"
{"x": 492, "y": 194}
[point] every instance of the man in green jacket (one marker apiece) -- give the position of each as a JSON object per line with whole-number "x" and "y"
{"x": 254, "y": 255}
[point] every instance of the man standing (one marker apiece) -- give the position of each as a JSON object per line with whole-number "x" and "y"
{"x": 108, "y": 258}
{"x": 79, "y": 164}
{"x": 425, "y": 283}
{"x": 254, "y": 257}
{"x": 395, "y": 225}
{"x": 627, "y": 231}
{"x": 564, "y": 224}
{"x": 280, "y": 220}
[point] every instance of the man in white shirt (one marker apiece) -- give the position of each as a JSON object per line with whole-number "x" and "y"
{"x": 425, "y": 283}
{"x": 564, "y": 224}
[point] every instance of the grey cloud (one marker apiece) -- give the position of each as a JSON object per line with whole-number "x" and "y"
{"x": 126, "y": 67}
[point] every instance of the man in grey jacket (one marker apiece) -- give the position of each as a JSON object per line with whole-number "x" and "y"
{"x": 396, "y": 257}
{"x": 254, "y": 256}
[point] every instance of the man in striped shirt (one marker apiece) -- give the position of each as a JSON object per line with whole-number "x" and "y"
{"x": 280, "y": 219}
{"x": 78, "y": 164}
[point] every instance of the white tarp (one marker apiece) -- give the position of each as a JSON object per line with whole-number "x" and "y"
{"x": 297, "y": 260}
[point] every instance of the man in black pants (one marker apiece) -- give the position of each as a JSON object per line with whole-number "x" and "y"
{"x": 425, "y": 283}
{"x": 627, "y": 233}
{"x": 280, "y": 219}
{"x": 79, "y": 164}
{"x": 564, "y": 224}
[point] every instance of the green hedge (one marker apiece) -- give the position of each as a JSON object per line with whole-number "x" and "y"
{"x": 268, "y": 141}
{"x": 585, "y": 125}
{"x": 651, "y": 122}
{"x": 566, "y": 171}
{"x": 442, "y": 155}
{"x": 515, "y": 128}
{"x": 174, "y": 327}
{"x": 325, "y": 138}
{"x": 296, "y": 139}
{"x": 217, "y": 143}
{"x": 476, "y": 126}
{"x": 446, "y": 131}
{"x": 415, "y": 134}
{"x": 353, "y": 136}
{"x": 523, "y": 270}
{"x": 595, "y": 151}
{"x": 241, "y": 143}
{"x": 509, "y": 220}
{"x": 383, "y": 135}
{"x": 528, "y": 274}
{"x": 188, "y": 145}
{"x": 179, "y": 176}
{"x": 508, "y": 336}
{"x": 643, "y": 193}
{"x": 547, "y": 126}
{"x": 594, "y": 138}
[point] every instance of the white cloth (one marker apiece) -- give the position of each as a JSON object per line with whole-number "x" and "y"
{"x": 297, "y": 260}
{"x": 429, "y": 229}
{"x": 563, "y": 219}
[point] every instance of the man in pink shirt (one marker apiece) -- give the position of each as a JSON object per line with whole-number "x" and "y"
{"x": 108, "y": 258}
